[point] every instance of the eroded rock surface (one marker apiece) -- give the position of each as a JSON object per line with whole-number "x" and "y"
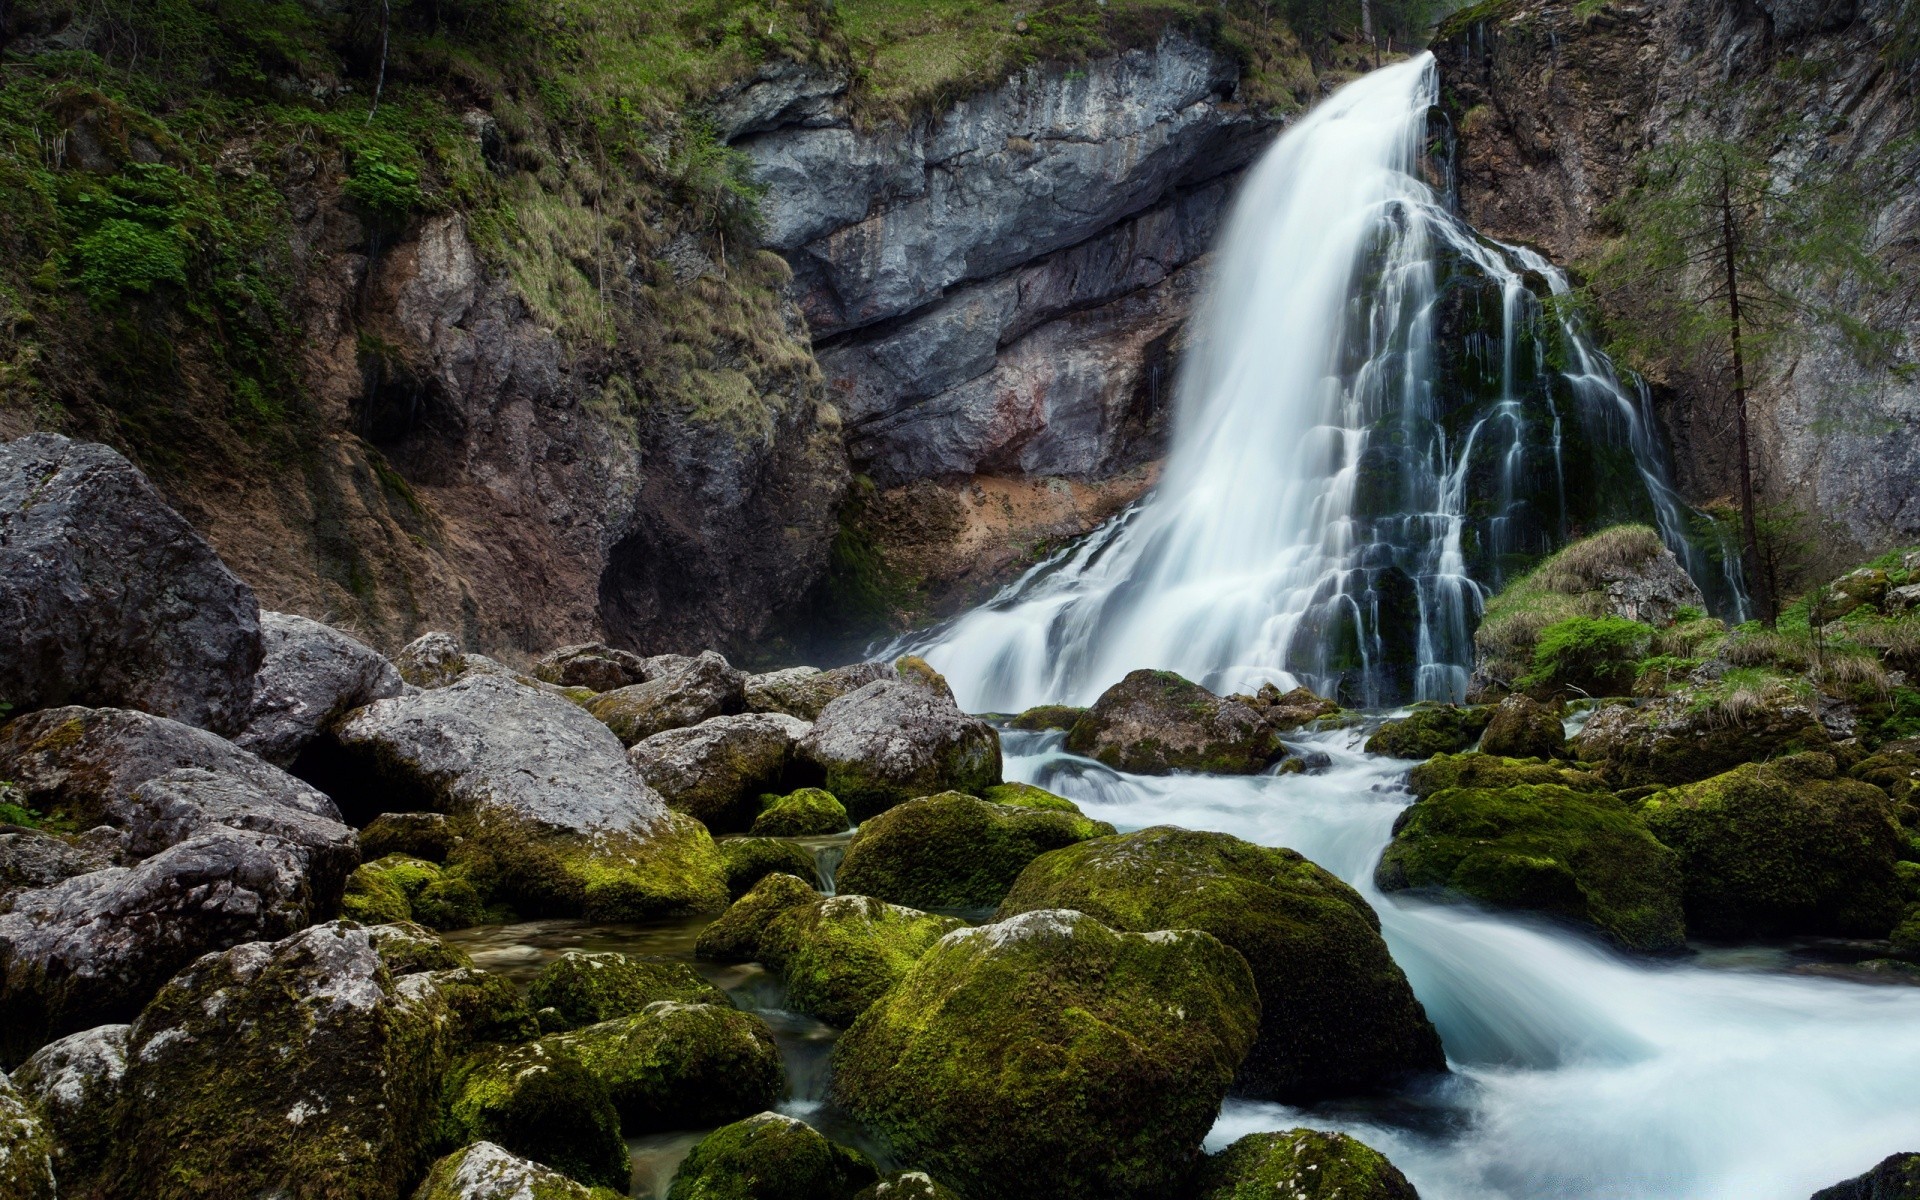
{"x": 894, "y": 739}
{"x": 312, "y": 675}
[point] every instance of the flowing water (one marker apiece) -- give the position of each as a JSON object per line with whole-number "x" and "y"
{"x": 1385, "y": 416}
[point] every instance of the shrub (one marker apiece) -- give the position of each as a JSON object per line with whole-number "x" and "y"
{"x": 1594, "y": 655}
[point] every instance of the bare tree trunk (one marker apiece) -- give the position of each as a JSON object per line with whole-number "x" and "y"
{"x": 380, "y": 84}
{"x": 1757, "y": 571}
{"x": 1366, "y": 20}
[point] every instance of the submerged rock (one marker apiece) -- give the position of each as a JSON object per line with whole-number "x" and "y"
{"x": 893, "y": 739}
{"x": 26, "y": 1149}
{"x": 1781, "y": 848}
{"x": 1336, "y": 1013}
{"x": 954, "y": 850}
{"x": 678, "y": 692}
{"x": 539, "y": 1103}
{"x": 486, "y": 1171}
{"x": 805, "y": 813}
{"x": 595, "y": 666}
{"x": 770, "y": 1157}
{"x": 586, "y": 988}
{"x": 676, "y": 1065}
{"x": 312, "y": 675}
{"x": 1154, "y": 722}
{"x": 804, "y": 691}
{"x": 716, "y": 771}
{"x": 76, "y": 1083}
{"x": 1555, "y": 846}
{"x": 1522, "y": 727}
{"x": 751, "y": 859}
{"x": 1895, "y": 1177}
{"x": 109, "y": 598}
{"x": 1301, "y": 1164}
{"x": 1429, "y": 730}
{"x": 1114, "y": 1049}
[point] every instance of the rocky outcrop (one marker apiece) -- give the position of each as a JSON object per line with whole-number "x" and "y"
{"x": 312, "y": 676}
{"x": 108, "y": 596}
{"x": 717, "y": 770}
{"x": 1154, "y": 722}
{"x": 894, "y": 739}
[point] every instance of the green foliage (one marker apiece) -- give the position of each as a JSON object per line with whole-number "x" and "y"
{"x": 1593, "y": 655}
{"x": 380, "y": 180}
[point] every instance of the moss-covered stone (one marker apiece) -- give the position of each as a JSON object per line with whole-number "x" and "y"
{"x": 1301, "y": 1164}
{"x": 485, "y": 1171}
{"x": 751, "y": 859}
{"x": 839, "y": 954}
{"x": 1786, "y": 847}
{"x": 1582, "y": 855}
{"x": 1155, "y": 722}
{"x": 1475, "y": 770}
{"x": 906, "y": 1185}
{"x": 486, "y": 1007}
{"x": 1337, "y": 1014}
{"x": 1025, "y": 795}
{"x": 1048, "y": 1055}
{"x": 1897, "y": 773}
{"x": 895, "y": 739}
{"x": 1895, "y": 1177}
{"x": 74, "y": 1084}
{"x": 955, "y": 851}
{"x": 1692, "y": 735}
{"x": 675, "y": 870}
{"x": 399, "y": 888}
{"x": 1287, "y": 711}
{"x": 680, "y": 1066}
{"x": 539, "y": 1104}
{"x": 1522, "y": 727}
{"x": 805, "y": 813}
{"x": 770, "y": 1157}
{"x": 26, "y": 1149}
{"x": 587, "y": 988}
{"x": 427, "y": 835}
{"x": 735, "y": 936}
{"x": 1431, "y": 729}
{"x": 1047, "y": 716}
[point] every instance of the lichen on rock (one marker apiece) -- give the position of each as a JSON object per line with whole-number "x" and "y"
{"x": 585, "y": 988}
{"x": 1301, "y": 1164}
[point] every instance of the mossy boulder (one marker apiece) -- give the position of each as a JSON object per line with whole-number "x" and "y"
{"x": 1047, "y": 716}
{"x": 26, "y": 1149}
{"x": 1155, "y": 722}
{"x": 678, "y": 692}
{"x": 770, "y": 1157}
{"x": 735, "y": 935}
{"x": 1692, "y": 735}
{"x": 585, "y": 988}
{"x": 1287, "y": 711}
{"x": 673, "y": 869}
{"x": 1781, "y": 848}
{"x": 540, "y": 1104}
{"x": 1480, "y": 770}
{"x": 680, "y": 1066}
{"x": 895, "y": 739}
{"x": 751, "y": 859}
{"x": 1337, "y": 1014}
{"x": 1431, "y": 729}
{"x": 398, "y": 888}
{"x": 1895, "y": 772}
{"x": 1522, "y": 727}
{"x": 1048, "y": 1055}
{"x": 427, "y": 835}
{"x": 718, "y": 770}
{"x": 808, "y": 812}
{"x": 906, "y": 1185}
{"x": 75, "y": 1084}
{"x": 841, "y": 953}
{"x": 486, "y": 1171}
{"x": 1025, "y": 795}
{"x": 1301, "y": 1164}
{"x": 1582, "y": 855}
{"x": 955, "y": 851}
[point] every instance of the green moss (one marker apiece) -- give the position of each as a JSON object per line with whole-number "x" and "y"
{"x": 1595, "y": 656}
{"x": 1581, "y": 855}
{"x": 770, "y": 1157}
{"x": 486, "y": 1007}
{"x": 455, "y": 1176}
{"x": 1337, "y": 1014}
{"x": 1025, "y": 795}
{"x": 751, "y": 859}
{"x": 1568, "y": 585}
{"x": 1475, "y": 770}
{"x": 1429, "y": 730}
{"x": 736, "y": 935}
{"x": 586, "y": 988}
{"x": 539, "y": 1105}
{"x": 674, "y": 870}
{"x": 1301, "y": 1164}
{"x": 678, "y": 1065}
{"x": 838, "y": 955}
{"x": 954, "y": 850}
{"x": 1051, "y": 1050}
{"x": 1048, "y": 716}
{"x": 807, "y": 812}
{"x": 1781, "y": 848}
{"x": 26, "y": 1149}
{"x": 399, "y": 888}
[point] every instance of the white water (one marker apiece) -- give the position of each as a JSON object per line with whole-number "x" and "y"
{"x": 1576, "y": 1073}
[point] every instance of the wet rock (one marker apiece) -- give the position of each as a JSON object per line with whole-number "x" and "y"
{"x": 1155, "y": 722}
{"x": 808, "y": 812}
{"x": 543, "y": 1105}
{"x": 1480, "y": 770}
{"x": 1288, "y": 711}
{"x": 1561, "y": 848}
{"x": 551, "y": 814}
{"x": 75, "y": 1083}
{"x": 954, "y": 850}
{"x": 1025, "y": 795}
{"x": 735, "y": 935}
{"x": 678, "y": 692}
{"x": 717, "y": 770}
{"x": 1895, "y": 1177}
{"x": 1336, "y": 1014}
{"x": 676, "y": 1065}
{"x": 905, "y": 1185}
{"x": 839, "y": 954}
{"x": 398, "y": 888}
{"x": 1301, "y": 1164}
{"x": 1781, "y": 848}
{"x": 1116, "y": 1048}
{"x": 427, "y": 835}
{"x": 311, "y": 676}
{"x": 30, "y": 858}
{"x": 1679, "y": 739}
{"x": 751, "y": 859}
{"x": 803, "y": 691}
{"x": 773, "y": 1157}
{"x": 109, "y": 598}
{"x": 308, "y": 1066}
{"x": 485, "y": 1171}
{"x": 587, "y": 988}
{"x": 1429, "y": 730}
{"x": 894, "y": 739}
{"x": 1522, "y": 727}
{"x": 595, "y": 666}
{"x": 26, "y": 1149}
{"x": 1047, "y": 716}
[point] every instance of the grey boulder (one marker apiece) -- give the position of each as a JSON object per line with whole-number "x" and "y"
{"x": 30, "y": 858}
{"x": 804, "y": 691}
{"x": 679, "y": 692}
{"x": 26, "y": 1150}
{"x": 717, "y": 770}
{"x": 894, "y": 739}
{"x": 594, "y": 665}
{"x": 76, "y": 1083}
{"x": 108, "y": 596}
{"x": 313, "y": 675}
{"x": 488, "y": 1171}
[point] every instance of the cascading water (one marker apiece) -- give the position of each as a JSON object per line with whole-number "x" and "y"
{"x": 1380, "y": 421}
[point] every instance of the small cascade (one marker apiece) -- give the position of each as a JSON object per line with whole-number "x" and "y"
{"x": 1385, "y": 417}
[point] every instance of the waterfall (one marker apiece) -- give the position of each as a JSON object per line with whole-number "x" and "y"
{"x": 1382, "y": 418}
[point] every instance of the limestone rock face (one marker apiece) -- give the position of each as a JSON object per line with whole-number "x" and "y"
{"x": 894, "y": 739}
{"x": 108, "y": 596}
{"x": 717, "y": 770}
{"x": 1155, "y": 722}
{"x": 678, "y": 692}
{"x": 1116, "y": 1047}
{"x": 311, "y": 676}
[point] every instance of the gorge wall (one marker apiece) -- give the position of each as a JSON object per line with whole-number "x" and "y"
{"x": 1552, "y": 102}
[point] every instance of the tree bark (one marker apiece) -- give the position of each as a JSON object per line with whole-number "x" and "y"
{"x": 1729, "y": 247}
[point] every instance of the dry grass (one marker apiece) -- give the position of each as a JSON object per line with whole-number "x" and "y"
{"x": 1768, "y": 648}
{"x": 1855, "y": 675}
{"x": 1598, "y": 560}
